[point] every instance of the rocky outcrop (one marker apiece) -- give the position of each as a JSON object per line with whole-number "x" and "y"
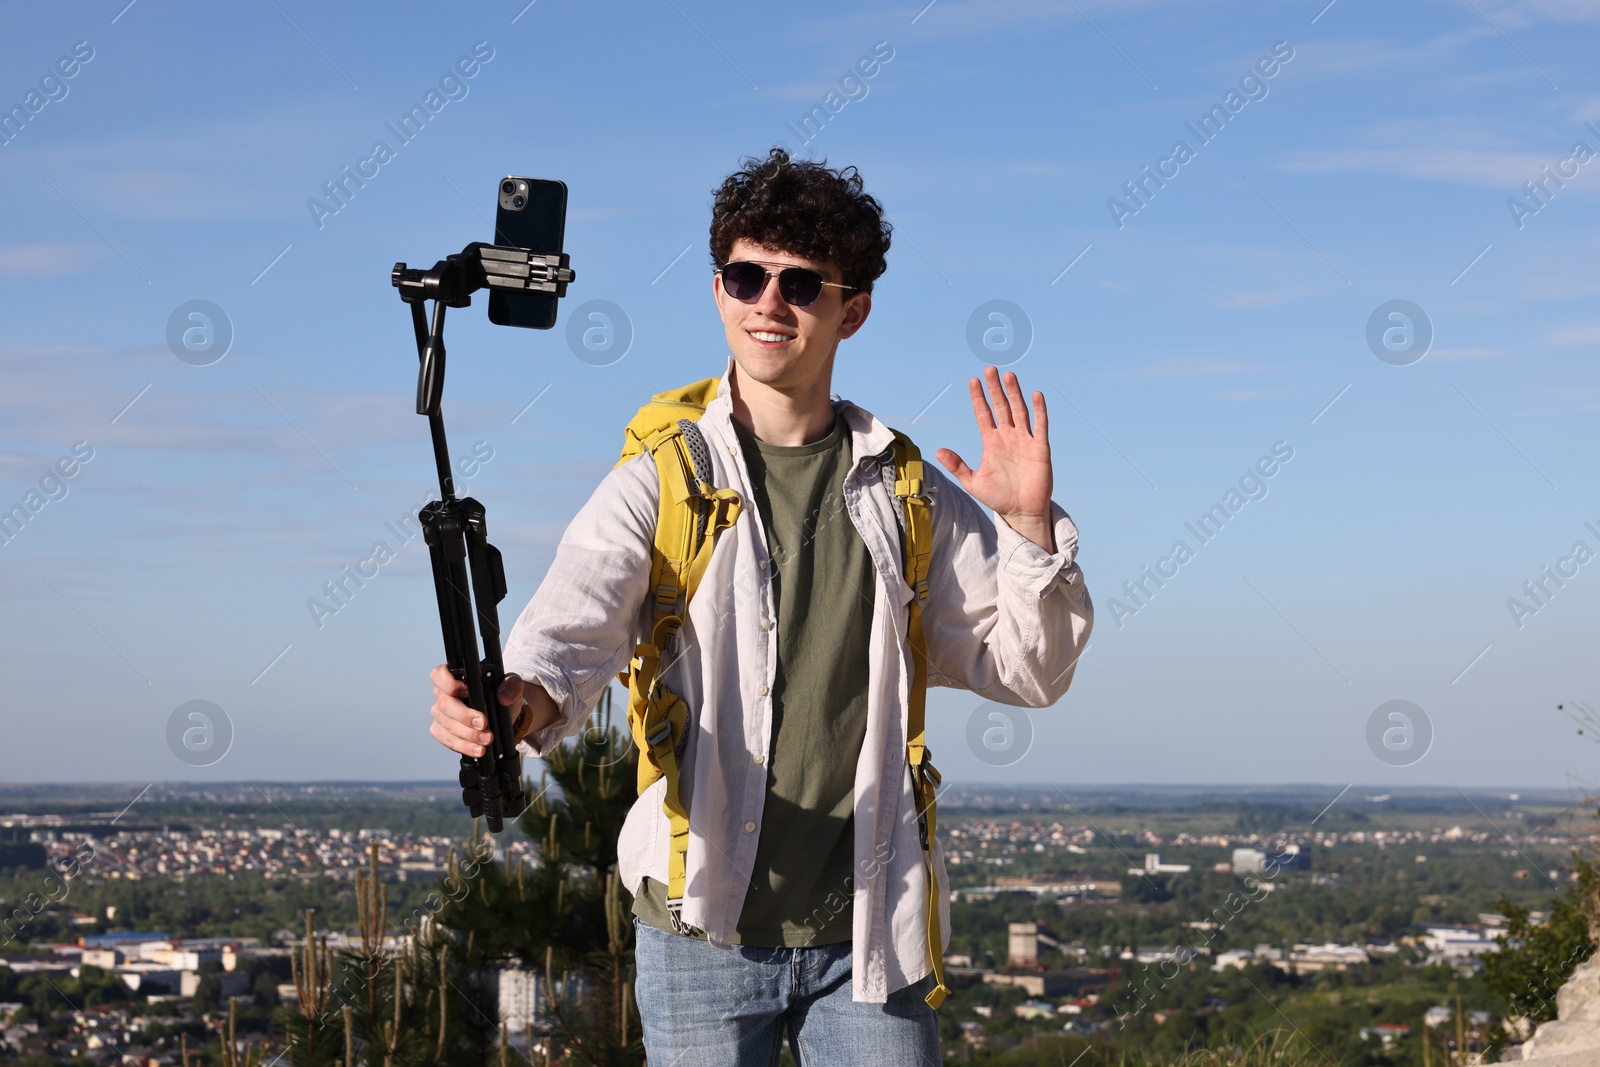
{"x": 1587, "y": 1058}
{"x": 1573, "y": 1035}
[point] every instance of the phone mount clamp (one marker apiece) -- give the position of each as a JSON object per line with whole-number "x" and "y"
{"x": 455, "y": 530}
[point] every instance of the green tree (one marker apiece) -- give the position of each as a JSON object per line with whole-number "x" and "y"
{"x": 423, "y": 990}
{"x": 562, "y": 916}
{"x": 1534, "y": 960}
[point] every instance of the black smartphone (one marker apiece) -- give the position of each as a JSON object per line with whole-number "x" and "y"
{"x": 533, "y": 216}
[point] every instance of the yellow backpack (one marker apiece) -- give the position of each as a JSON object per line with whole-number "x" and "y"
{"x": 692, "y": 512}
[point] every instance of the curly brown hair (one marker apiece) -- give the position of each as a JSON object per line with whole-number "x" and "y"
{"x": 804, "y": 208}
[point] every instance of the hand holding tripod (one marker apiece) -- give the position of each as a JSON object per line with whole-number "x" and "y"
{"x": 466, "y": 567}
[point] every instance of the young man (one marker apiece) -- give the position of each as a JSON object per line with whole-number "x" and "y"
{"x": 805, "y": 902}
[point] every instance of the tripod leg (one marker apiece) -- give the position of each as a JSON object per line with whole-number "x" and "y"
{"x": 488, "y": 589}
{"x": 445, "y": 534}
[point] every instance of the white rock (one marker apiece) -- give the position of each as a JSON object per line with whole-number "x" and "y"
{"x": 1576, "y": 1027}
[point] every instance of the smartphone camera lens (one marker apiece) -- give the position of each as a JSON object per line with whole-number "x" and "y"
{"x": 519, "y": 201}
{"x": 508, "y": 187}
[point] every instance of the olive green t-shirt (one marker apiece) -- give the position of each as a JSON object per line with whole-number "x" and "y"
{"x": 822, "y": 586}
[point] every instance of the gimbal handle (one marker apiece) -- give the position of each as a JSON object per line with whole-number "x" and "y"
{"x": 466, "y": 568}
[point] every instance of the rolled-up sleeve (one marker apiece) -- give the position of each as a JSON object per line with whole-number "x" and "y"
{"x": 1004, "y": 618}
{"x": 579, "y": 628}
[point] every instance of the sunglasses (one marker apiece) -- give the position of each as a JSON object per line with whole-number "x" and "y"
{"x": 745, "y": 281}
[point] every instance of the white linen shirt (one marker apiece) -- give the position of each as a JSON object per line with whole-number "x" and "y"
{"x": 1004, "y": 619}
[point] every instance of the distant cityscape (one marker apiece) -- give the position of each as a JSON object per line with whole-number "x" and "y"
{"x": 163, "y": 969}
{"x": 1044, "y": 977}
{"x": 166, "y": 970}
{"x": 163, "y": 852}
{"x": 1076, "y": 993}
{"x": 151, "y": 853}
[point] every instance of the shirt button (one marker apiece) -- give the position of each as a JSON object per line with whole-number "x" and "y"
{"x": 766, "y": 624}
{"x": 760, "y": 758}
{"x": 749, "y": 827}
{"x": 763, "y": 564}
{"x": 761, "y": 690}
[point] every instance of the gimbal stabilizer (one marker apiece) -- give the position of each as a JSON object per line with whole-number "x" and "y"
{"x": 457, "y": 536}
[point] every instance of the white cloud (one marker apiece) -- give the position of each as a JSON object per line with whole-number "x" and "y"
{"x": 192, "y": 173}
{"x": 1577, "y": 333}
{"x": 1462, "y": 355}
{"x": 1199, "y": 367}
{"x": 1259, "y": 299}
{"x": 1530, "y": 11}
{"x": 1251, "y": 394}
{"x": 60, "y": 394}
{"x": 1437, "y": 149}
{"x": 52, "y": 259}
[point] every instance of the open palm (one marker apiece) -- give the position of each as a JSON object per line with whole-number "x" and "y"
{"x": 1013, "y": 478}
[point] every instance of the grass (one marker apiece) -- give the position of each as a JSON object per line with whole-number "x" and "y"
{"x": 1273, "y": 1048}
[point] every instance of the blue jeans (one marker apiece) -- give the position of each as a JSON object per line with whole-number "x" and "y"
{"x": 704, "y": 1006}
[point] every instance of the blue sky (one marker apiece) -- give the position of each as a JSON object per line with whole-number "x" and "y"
{"x": 1226, "y": 314}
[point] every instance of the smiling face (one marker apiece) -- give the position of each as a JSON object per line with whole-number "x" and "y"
{"x": 785, "y": 347}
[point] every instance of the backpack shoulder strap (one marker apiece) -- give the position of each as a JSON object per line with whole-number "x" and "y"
{"x": 912, "y": 491}
{"x": 690, "y": 514}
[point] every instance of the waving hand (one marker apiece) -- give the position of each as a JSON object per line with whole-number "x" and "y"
{"x": 1013, "y": 478}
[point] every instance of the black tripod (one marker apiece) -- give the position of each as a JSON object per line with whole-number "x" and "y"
{"x": 455, "y": 530}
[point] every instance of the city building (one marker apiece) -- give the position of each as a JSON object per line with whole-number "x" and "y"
{"x": 1034, "y": 1009}
{"x": 1451, "y": 944}
{"x": 1153, "y": 865}
{"x": 1050, "y": 983}
{"x": 1162, "y": 953}
{"x": 1388, "y": 1033}
{"x": 122, "y": 940}
{"x": 1326, "y": 957}
{"x": 520, "y": 999}
{"x": 521, "y": 995}
{"x": 146, "y": 977}
{"x": 1294, "y": 858}
{"x": 1243, "y": 957}
{"x": 1255, "y": 861}
{"x": 1249, "y": 861}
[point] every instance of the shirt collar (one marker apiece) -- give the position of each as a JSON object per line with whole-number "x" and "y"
{"x": 868, "y": 436}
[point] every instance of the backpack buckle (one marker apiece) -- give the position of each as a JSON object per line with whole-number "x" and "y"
{"x": 662, "y": 732}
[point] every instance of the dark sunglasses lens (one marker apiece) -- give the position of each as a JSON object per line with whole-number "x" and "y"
{"x": 743, "y": 281}
{"x": 799, "y": 286}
